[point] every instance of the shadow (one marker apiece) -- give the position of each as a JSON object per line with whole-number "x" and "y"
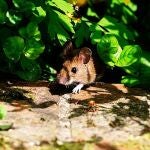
{"x": 59, "y": 89}
{"x": 18, "y": 98}
{"x": 146, "y": 128}
{"x": 106, "y": 146}
{"x": 132, "y": 107}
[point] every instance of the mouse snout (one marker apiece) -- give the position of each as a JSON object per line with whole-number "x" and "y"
{"x": 61, "y": 79}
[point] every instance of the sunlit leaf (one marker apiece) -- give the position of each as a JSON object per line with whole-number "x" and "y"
{"x": 3, "y": 112}
{"x": 129, "y": 55}
{"x": 91, "y": 13}
{"x": 113, "y": 26}
{"x": 14, "y": 17}
{"x": 39, "y": 13}
{"x": 62, "y": 5}
{"x": 59, "y": 26}
{"x": 18, "y": 3}
{"x": 109, "y": 49}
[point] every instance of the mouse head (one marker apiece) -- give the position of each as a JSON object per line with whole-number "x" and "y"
{"x": 75, "y": 66}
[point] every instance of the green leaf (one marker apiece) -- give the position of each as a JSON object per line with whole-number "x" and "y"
{"x": 130, "y": 81}
{"x": 132, "y": 69}
{"x": 33, "y": 49}
{"x": 109, "y": 49}
{"x": 6, "y": 32}
{"x": 18, "y": 3}
{"x": 82, "y": 33}
{"x": 31, "y": 70}
{"x": 24, "y": 5}
{"x": 65, "y": 21}
{"x": 145, "y": 59}
{"x": 23, "y": 32}
{"x": 14, "y": 17}
{"x": 39, "y": 14}
{"x": 91, "y": 13}
{"x": 3, "y": 10}
{"x": 13, "y": 47}
{"x": 114, "y": 27}
{"x": 145, "y": 66}
{"x": 62, "y": 5}
{"x": 5, "y": 127}
{"x": 129, "y": 55}
{"x": 3, "y": 112}
{"x": 31, "y": 30}
{"x": 59, "y": 26}
{"x": 96, "y": 33}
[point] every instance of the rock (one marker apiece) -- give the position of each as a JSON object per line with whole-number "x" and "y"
{"x": 111, "y": 112}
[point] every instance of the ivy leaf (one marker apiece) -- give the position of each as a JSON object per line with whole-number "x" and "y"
{"x": 82, "y": 33}
{"x": 129, "y": 55}
{"x": 31, "y": 70}
{"x": 13, "y": 47}
{"x": 109, "y": 49}
{"x": 114, "y": 27}
{"x": 3, "y": 10}
{"x": 59, "y": 26}
{"x": 62, "y": 5}
{"x": 33, "y": 49}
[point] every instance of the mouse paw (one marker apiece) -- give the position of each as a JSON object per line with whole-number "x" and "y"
{"x": 78, "y": 88}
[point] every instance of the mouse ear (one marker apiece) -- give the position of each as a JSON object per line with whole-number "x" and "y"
{"x": 68, "y": 47}
{"x": 85, "y": 55}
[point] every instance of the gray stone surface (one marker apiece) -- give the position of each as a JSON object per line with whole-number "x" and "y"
{"x": 109, "y": 111}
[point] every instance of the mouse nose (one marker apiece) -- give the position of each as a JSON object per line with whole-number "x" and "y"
{"x": 61, "y": 80}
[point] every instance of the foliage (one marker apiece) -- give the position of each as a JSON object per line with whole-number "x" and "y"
{"x": 130, "y": 58}
{"x": 34, "y": 28}
{"x": 3, "y": 112}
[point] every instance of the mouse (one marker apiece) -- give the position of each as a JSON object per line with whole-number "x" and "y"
{"x": 77, "y": 68}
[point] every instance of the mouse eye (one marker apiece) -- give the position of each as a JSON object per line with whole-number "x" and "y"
{"x": 74, "y": 70}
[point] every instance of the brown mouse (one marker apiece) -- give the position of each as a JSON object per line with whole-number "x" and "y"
{"x": 78, "y": 67}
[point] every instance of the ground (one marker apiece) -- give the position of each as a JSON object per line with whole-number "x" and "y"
{"x": 102, "y": 116}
